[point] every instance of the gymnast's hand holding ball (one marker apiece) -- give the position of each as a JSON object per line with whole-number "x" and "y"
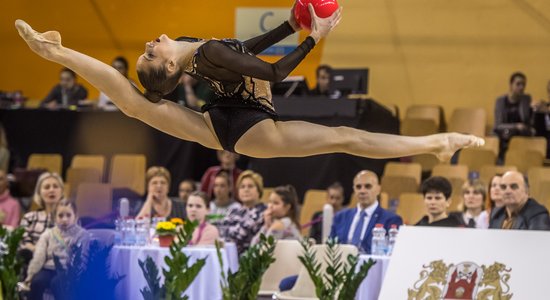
{"x": 318, "y": 16}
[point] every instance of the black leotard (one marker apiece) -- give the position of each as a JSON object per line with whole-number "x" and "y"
{"x": 241, "y": 81}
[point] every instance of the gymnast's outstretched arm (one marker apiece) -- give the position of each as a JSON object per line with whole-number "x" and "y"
{"x": 165, "y": 115}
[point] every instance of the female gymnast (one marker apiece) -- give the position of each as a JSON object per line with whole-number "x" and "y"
{"x": 242, "y": 118}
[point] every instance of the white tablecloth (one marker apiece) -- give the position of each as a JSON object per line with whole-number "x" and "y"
{"x": 124, "y": 261}
{"x": 371, "y": 286}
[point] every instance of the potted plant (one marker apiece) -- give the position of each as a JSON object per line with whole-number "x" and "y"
{"x": 166, "y": 231}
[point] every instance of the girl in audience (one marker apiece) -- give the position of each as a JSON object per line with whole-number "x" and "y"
{"x": 158, "y": 204}
{"x": 197, "y": 209}
{"x": 495, "y": 194}
{"x": 281, "y": 215}
{"x": 57, "y": 241}
{"x": 48, "y": 192}
{"x": 244, "y": 223}
{"x": 474, "y": 194}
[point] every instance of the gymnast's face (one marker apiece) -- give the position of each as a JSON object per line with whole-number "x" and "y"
{"x": 158, "y": 52}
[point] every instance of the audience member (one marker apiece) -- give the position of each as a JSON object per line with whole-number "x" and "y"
{"x": 55, "y": 242}
{"x": 243, "y": 224}
{"x": 354, "y": 225}
{"x": 68, "y": 92}
{"x": 543, "y": 105}
{"x": 10, "y": 211}
{"x": 197, "y": 209}
{"x": 437, "y": 197}
{"x": 513, "y": 114}
{"x": 322, "y": 74}
{"x": 473, "y": 195}
{"x": 495, "y": 194}
{"x": 223, "y": 203}
{"x": 120, "y": 63}
{"x": 281, "y": 215}
{"x": 191, "y": 93}
{"x": 227, "y": 164}
{"x": 519, "y": 210}
{"x": 335, "y": 197}
{"x": 185, "y": 188}
{"x": 157, "y": 203}
{"x": 4, "y": 150}
{"x": 48, "y": 192}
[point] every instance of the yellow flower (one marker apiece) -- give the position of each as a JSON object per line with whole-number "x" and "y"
{"x": 166, "y": 226}
{"x": 177, "y": 221}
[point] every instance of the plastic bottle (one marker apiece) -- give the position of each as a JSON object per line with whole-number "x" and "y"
{"x": 118, "y": 238}
{"x": 129, "y": 232}
{"x": 392, "y": 236}
{"x": 328, "y": 215}
{"x": 379, "y": 243}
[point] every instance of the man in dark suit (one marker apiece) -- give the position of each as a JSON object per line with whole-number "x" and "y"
{"x": 519, "y": 211}
{"x": 354, "y": 225}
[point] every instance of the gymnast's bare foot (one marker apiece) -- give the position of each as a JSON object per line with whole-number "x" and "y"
{"x": 47, "y": 44}
{"x": 452, "y": 142}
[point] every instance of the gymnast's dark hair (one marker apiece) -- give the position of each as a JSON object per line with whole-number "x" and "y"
{"x": 157, "y": 83}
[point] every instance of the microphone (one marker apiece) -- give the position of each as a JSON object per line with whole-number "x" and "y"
{"x": 328, "y": 214}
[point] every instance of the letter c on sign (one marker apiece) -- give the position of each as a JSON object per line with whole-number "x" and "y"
{"x": 262, "y": 20}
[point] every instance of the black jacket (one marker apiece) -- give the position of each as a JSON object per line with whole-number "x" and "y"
{"x": 453, "y": 220}
{"x": 532, "y": 216}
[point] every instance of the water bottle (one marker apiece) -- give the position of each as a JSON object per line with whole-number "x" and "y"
{"x": 129, "y": 232}
{"x": 328, "y": 215}
{"x": 142, "y": 233}
{"x": 379, "y": 243}
{"x": 392, "y": 236}
{"x": 118, "y": 238}
{"x": 123, "y": 208}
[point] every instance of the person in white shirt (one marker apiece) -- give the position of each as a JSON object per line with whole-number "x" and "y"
{"x": 474, "y": 193}
{"x": 223, "y": 202}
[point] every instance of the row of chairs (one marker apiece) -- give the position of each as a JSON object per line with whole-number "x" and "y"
{"x": 125, "y": 170}
{"x": 429, "y": 119}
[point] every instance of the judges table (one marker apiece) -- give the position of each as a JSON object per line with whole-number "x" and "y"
{"x": 371, "y": 286}
{"x": 124, "y": 261}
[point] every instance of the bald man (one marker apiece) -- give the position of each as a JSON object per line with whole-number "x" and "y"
{"x": 519, "y": 211}
{"x": 354, "y": 225}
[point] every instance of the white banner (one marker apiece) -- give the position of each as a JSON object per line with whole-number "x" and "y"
{"x": 254, "y": 21}
{"x": 463, "y": 263}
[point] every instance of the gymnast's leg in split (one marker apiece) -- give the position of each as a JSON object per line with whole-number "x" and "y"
{"x": 264, "y": 139}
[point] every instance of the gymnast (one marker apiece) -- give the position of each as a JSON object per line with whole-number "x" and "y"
{"x": 241, "y": 119}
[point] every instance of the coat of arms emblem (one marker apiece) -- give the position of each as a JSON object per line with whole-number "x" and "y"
{"x": 465, "y": 280}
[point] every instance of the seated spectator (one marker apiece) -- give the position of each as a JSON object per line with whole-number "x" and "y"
{"x": 494, "y": 200}
{"x": 197, "y": 209}
{"x": 48, "y": 192}
{"x": 322, "y": 88}
{"x": 228, "y": 164}
{"x": 519, "y": 211}
{"x": 191, "y": 93}
{"x": 473, "y": 195}
{"x": 437, "y": 197}
{"x": 68, "y": 92}
{"x": 185, "y": 189}
{"x": 281, "y": 215}
{"x": 354, "y": 225}
{"x": 335, "y": 197}
{"x": 513, "y": 114}
{"x": 55, "y": 242}
{"x": 244, "y": 223}
{"x": 543, "y": 105}
{"x": 223, "y": 203}
{"x": 120, "y": 63}
{"x": 10, "y": 211}
{"x": 157, "y": 203}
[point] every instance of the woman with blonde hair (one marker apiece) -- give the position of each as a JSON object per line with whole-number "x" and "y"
{"x": 157, "y": 203}
{"x": 48, "y": 192}
{"x": 244, "y": 223}
{"x": 474, "y": 193}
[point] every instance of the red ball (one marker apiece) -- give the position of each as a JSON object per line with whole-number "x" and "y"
{"x": 323, "y": 9}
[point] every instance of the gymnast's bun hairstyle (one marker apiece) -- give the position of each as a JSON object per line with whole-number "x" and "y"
{"x": 158, "y": 83}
